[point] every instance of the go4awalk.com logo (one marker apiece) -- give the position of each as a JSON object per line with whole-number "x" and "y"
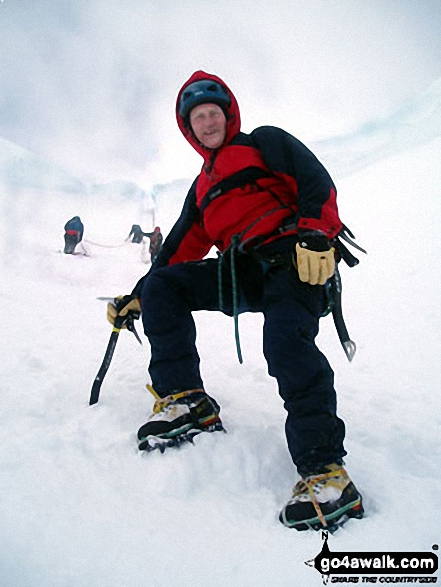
{"x": 375, "y": 567}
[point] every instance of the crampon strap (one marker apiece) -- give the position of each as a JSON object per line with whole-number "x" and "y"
{"x": 309, "y": 483}
{"x": 163, "y": 402}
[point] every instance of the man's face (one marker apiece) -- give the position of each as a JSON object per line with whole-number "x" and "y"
{"x": 209, "y": 125}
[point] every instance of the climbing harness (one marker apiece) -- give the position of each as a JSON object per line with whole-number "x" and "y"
{"x": 332, "y": 288}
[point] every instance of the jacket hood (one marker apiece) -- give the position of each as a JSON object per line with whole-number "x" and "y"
{"x": 233, "y": 115}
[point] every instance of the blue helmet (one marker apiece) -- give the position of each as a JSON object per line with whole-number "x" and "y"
{"x": 203, "y": 92}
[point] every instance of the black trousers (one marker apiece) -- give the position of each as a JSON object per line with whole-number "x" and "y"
{"x": 269, "y": 284}
{"x": 70, "y": 242}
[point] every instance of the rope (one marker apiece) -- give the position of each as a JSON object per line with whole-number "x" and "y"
{"x": 105, "y": 246}
{"x": 233, "y": 249}
{"x": 220, "y": 293}
{"x": 235, "y": 296}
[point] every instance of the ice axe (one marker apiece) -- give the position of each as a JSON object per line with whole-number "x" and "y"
{"x": 120, "y": 322}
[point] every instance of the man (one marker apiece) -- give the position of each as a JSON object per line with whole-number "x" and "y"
{"x": 269, "y": 206}
{"x": 155, "y": 242}
{"x": 73, "y": 234}
{"x": 136, "y": 234}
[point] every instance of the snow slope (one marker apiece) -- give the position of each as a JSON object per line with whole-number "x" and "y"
{"x": 416, "y": 122}
{"x": 81, "y": 507}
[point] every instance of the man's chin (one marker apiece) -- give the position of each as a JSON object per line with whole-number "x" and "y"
{"x": 212, "y": 144}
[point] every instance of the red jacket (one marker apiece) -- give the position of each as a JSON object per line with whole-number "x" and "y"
{"x": 257, "y": 186}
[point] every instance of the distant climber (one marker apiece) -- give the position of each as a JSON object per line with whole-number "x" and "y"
{"x": 155, "y": 242}
{"x": 73, "y": 234}
{"x": 136, "y": 234}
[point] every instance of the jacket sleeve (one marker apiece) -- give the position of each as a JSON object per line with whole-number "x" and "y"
{"x": 314, "y": 192}
{"x": 187, "y": 240}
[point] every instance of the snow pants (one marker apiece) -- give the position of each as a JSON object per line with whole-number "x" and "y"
{"x": 71, "y": 239}
{"x": 269, "y": 284}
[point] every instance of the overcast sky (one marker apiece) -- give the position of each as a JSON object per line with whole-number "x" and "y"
{"x": 91, "y": 84}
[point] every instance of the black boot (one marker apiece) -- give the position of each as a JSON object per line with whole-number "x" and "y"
{"x": 178, "y": 418}
{"x": 322, "y": 500}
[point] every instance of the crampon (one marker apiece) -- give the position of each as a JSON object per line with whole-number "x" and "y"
{"x": 152, "y": 443}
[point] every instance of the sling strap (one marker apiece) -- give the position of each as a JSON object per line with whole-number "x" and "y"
{"x": 237, "y": 180}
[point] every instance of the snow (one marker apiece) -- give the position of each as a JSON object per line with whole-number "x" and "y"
{"x": 81, "y": 506}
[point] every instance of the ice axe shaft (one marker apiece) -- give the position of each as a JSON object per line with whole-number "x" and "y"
{"x": 96, "y": 387}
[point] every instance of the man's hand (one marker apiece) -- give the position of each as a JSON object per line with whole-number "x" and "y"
{"x": 123, "y": 306}
{"x": 315, "y": 258}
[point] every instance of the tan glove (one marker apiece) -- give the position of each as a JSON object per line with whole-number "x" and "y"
{"x": 315, "y": 267}
{"x": 121, "y": 306}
